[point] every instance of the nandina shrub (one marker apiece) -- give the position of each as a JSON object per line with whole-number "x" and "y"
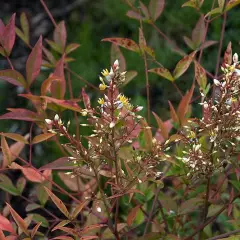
{"x": 122, "y": 176}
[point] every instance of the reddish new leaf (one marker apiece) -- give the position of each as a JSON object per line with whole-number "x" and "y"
{"x": 183, "y": 65}
{"x": 78, "y": 209}
{"x": 227, "y": 59}
{"x": 156, "y": 8}
{"x": 34, "y": 62}
{"x": 8, "y": 36}
{"x": 5, "y": 225}
{"x": 86, "y": 99}
{"x": 62, "y": 238}
{"x": 13, "y": 77}
{"x": 92, "y": 227}
{"x": 132, "y": 215}
{"x": 21, "y": 114}
{"x": 20, "y": 222}
{"x": 144, "y": 9}
{"x": 124, "y": 42}
{"x": 42, "y": 137}
{"x": 89, "y": 237}
{"x": 134, "y": 15}
{"x": 173, "y": 113}
{"x": 2, "y": 236}
{"x": 57, "y": 202}
{"x": 163, "y": 72}
{"x": 34, "y": 230}
{"x": 46, "y": 85}
{"x": 60, "y": 35}
{"x": 184, "y": 104}
{"x": 161, "y": 126}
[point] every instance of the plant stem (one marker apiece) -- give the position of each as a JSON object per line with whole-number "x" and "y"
{"x": 48, "y": 13}
{"x": 224, "y": 235}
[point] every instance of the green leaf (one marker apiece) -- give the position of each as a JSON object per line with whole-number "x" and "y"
{"x": 7, "y": 155}
{"x": 200, "y": 75}
{"x": 71, "y": 47}
{"x": 21, "y": 183}
{"x": 39, "y": 218}
{"x": 231, "y": 4}
{"x": 54, "y": 46}
{"x": 7, "y": 185}
{"x": 163, "y": 72}
{"x": 25, "y": 26}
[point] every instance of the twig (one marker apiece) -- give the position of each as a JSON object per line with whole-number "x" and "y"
{"x": 48, "y": 13}
{"x": 224, "y": 235}
{"x": 10, "y": 63}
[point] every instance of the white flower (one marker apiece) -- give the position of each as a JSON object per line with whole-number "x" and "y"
{"x": 99, "y": 209}
{"x": 216, "y": 82}
{"x": 139, "y": 108}
{"x": 116, "y": 63}
{"x": 235, "y": 58}
{"x": 112, "y": 124}
{"x": 111, "y": 74}
{"x": 237, "y": 71}
{"x": 48, "y": 121}
{"x": 56, "y": 118}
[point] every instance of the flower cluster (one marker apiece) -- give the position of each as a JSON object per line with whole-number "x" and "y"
{"x": 219, "y": 129}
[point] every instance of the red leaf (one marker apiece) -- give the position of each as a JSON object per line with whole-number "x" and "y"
{"x": 8, "y": 36}
{"x": 21, "y": 114}
{"x": 156, "y": 8}
{"x": 183, "y": 106}
{"x": 132, "y": 215}
{"x": 124, "y": 42}
{"x": 86, "y": 99}
{"x": 5, "y": 225}
{"x": 60, "y": 35}
{"x": 71, "y": 47}
{"x": 46, "y": 85}
{"x": 2, "y": 27}
{"x": 144, "y": 9}
{"x": 62, "y": 238}
{"x": 227, "y": 59}
{"x": 173, "y": 113}
{"x": 161, "y": 126}
{"x": 59, "y": 72}
{"x": 2, "y": 236}
{"x": 13, "y": 77}
{"x": 34, "y": 62}
{"x": 91, "y": 227}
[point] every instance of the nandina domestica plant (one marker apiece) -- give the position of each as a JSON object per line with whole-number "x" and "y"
{"x": 122, "y": 177}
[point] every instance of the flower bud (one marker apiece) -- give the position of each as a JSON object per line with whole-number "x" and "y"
{"x": 216, "y": 82}
{"x": 235, "y": 58}
{"x": 48, "y": 121}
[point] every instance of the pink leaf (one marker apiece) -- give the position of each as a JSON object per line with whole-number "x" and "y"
{"x": 61, "y": 163}
{"x": 34, "y": 62}
{"x": 20, "y": 114}
{"x": 156, "y": 8}
{"x": 5, "y": 224}
{"x": 86, "y": 99}
{"x": 60, "y": 35}
{"x": 8, "y": 36}
{"x": 13, "y": 77}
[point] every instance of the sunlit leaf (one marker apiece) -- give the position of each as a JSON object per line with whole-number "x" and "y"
{"x": 42, "y": 137}
{"x": 183, "y": 65}
{"x": 163, "y": 72}
{"x": 231, "y": 4}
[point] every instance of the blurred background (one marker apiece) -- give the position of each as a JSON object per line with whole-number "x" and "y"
{"x": 89, "y": 21}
